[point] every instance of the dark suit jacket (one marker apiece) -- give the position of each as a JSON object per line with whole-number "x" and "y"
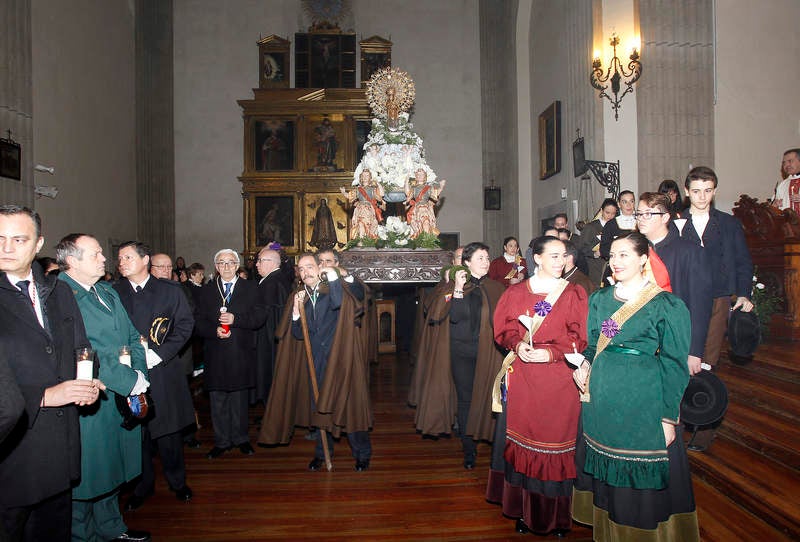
{"x": 230, "y": 363}
{"x": 723, "y": 240}
{"x": 274, "y": 290}
{"x": 690, "y": 277}
{"x": 41, "y": 456}
{"x": 168, "y": 386}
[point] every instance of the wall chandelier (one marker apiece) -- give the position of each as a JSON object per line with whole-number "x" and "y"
{"x": 599, "y": 81}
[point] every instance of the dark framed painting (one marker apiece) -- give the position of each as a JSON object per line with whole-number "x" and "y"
{"x": 274, "y": 145}
{"x": 579, "y": 165}
{"x": 550, "y": 141}
{"x": 276, "y": 220}
{"x": 325, "y": 138}
{"x": 492, "y": 198}
{"x": 450, "y": 240}
{"x": 274, "y": 69}
{"x": 10, "y": 159}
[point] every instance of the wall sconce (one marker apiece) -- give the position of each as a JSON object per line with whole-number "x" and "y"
{"x": 491, "y": 197}
{"x": 606, "y": 173}
{"x": 631, "y": 76}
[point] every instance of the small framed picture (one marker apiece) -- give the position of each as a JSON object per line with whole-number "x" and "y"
{"x": 277, "y": 220}
{"x": 10, "y": 159}
{"x": 449, "y": 240}
{"x": 492, "y": 198}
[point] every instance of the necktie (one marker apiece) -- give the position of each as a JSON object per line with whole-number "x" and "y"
{"x": 657, "y": 271}
{"x": 138, "y": 289}
{"x": 23, "y": 288}
{"x": 228, "y": 291}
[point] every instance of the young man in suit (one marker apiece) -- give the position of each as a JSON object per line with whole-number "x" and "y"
{"x": 159, "y": 310}
{"x": 722, "y": 237}
{"x": 227, "y": 315}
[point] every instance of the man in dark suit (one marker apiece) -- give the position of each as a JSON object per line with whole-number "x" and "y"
{"x": 721, "y": 237}
{"x": 227, "y": 315}
{"x": 274, "y": 290}
{"x": 160, "y": 312}
{"x": 687, "y": 267}
{"x": 40, "y": 328}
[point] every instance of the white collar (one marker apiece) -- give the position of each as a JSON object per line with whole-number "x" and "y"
{"x": 509, "y": 258}
{"x": 142, "y": 284}
{"x": 629, "y": 292}
{"x": 13, "y": 279}
{"x": 541, "y": 285}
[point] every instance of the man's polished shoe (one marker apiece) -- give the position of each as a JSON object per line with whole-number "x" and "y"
{"x": 246, "y": 449}
{"x": 215, "y": 452}
{"x": 697, "y": 447}
{"x": 134, "y": 503}
{"x": 361, "y": 466}
{"x": 134, "y": 536}
{"x": 184, "y": 494}
{"x": 193, "y": 443}
{"x": 520, "y": 527}
{"x": 316, "y": 464}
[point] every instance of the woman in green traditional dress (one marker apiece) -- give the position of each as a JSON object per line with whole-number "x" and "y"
{"x": 633, "y": 478}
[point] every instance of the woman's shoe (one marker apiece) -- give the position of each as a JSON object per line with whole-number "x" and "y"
{"x": 520, "y": 527}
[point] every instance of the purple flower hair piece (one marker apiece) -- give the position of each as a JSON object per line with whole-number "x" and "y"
{"x": 542, "y": 308}
{"x": 609, "y": 328}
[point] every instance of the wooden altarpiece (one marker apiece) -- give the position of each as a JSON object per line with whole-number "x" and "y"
{"x": 300, "y": 147}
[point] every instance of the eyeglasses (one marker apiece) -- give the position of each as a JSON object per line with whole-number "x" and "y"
{"x": 227, "y": 264}
{"x": 162, "y": 266}
{"x": 266, "y": 260}
{"x": 647, "y": 215}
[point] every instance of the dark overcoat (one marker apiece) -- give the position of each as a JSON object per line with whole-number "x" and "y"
{"x": 274, "y": 290}
{"x": 728, "y": 255}
{"x": 168, "y": 387}
{"x": 344, "y": 404}
{"x": 690, "y": 278}
{"x": 230, "y": 364}
{"x": 41, "y": 455}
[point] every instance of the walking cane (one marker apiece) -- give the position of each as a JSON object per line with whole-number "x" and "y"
{"x": 310, "y": 357}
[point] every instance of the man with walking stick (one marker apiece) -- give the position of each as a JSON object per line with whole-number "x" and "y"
{"x": 326, "y": 313}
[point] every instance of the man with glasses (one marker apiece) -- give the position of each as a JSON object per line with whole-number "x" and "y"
{"x": 274, "y": 290}
{"x": 687, "y": 267}
{"x": 228, "y": 313}
{"x": 162, "y": 315}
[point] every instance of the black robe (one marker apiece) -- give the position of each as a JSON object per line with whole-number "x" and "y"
{"x": 274, "y": 290}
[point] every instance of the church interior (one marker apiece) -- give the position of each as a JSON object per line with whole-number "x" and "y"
{"x": 147, "y": 119}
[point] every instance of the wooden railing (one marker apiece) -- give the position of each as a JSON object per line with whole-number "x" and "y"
{"x": 773, "y": 237}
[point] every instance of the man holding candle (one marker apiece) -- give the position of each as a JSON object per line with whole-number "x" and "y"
{"x": 35, "y": 503}
{"x": 110, "y": 454}
{"x": 228, "y": 313}
{"x": 160, "y": 311}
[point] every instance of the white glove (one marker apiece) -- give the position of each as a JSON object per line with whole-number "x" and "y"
{"x": 152, "y": 358}
{"x": 141, "y": 384}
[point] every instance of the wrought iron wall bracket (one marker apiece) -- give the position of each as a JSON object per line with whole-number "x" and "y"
{"x": 607, "y": 174}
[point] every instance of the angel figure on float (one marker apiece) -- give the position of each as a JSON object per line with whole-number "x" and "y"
{"x": 367, "y": 197}
{"x": 421, "y": 197}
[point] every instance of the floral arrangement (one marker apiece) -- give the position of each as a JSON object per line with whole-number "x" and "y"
{"x": 393, "y": 157}
{"x": 766, "y": 303}
{"x": 396, "y": 233}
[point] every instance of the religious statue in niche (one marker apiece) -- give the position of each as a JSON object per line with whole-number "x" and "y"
{"x": 368, "y": 199}
{"x": 324, "y": 235}
{"x": 326, "y": 145}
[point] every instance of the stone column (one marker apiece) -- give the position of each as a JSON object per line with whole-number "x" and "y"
{"x": 155, "y": 156}
{"x": 675, "y": 93}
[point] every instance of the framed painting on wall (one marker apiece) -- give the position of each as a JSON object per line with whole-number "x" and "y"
{"x": 550, "y": 141}
{"x": 276, "y": 220}
{"x": 449, "y": 240}
{"x": 10, "y": 159}
{"x": 274, "y": 145}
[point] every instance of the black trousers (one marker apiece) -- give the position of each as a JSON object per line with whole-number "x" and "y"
{"x": 229, "y": 417}
{"x": 50, "y": 519}
{"x": 359, "y": 445}
{"x": 463, "y": 358}
{"x": 170, "y": 448}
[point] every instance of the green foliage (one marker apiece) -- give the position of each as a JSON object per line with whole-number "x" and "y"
{"x": 427, "y": 240}
{"x": 766, "y": 303}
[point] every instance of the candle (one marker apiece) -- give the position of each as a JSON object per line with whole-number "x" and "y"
{"x": 84, "y": 358}
{"x": 125, "y": 355}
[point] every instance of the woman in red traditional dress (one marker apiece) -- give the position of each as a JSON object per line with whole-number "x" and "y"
{"x": 533, "y": 460}
{"x": 510, "y": 267}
